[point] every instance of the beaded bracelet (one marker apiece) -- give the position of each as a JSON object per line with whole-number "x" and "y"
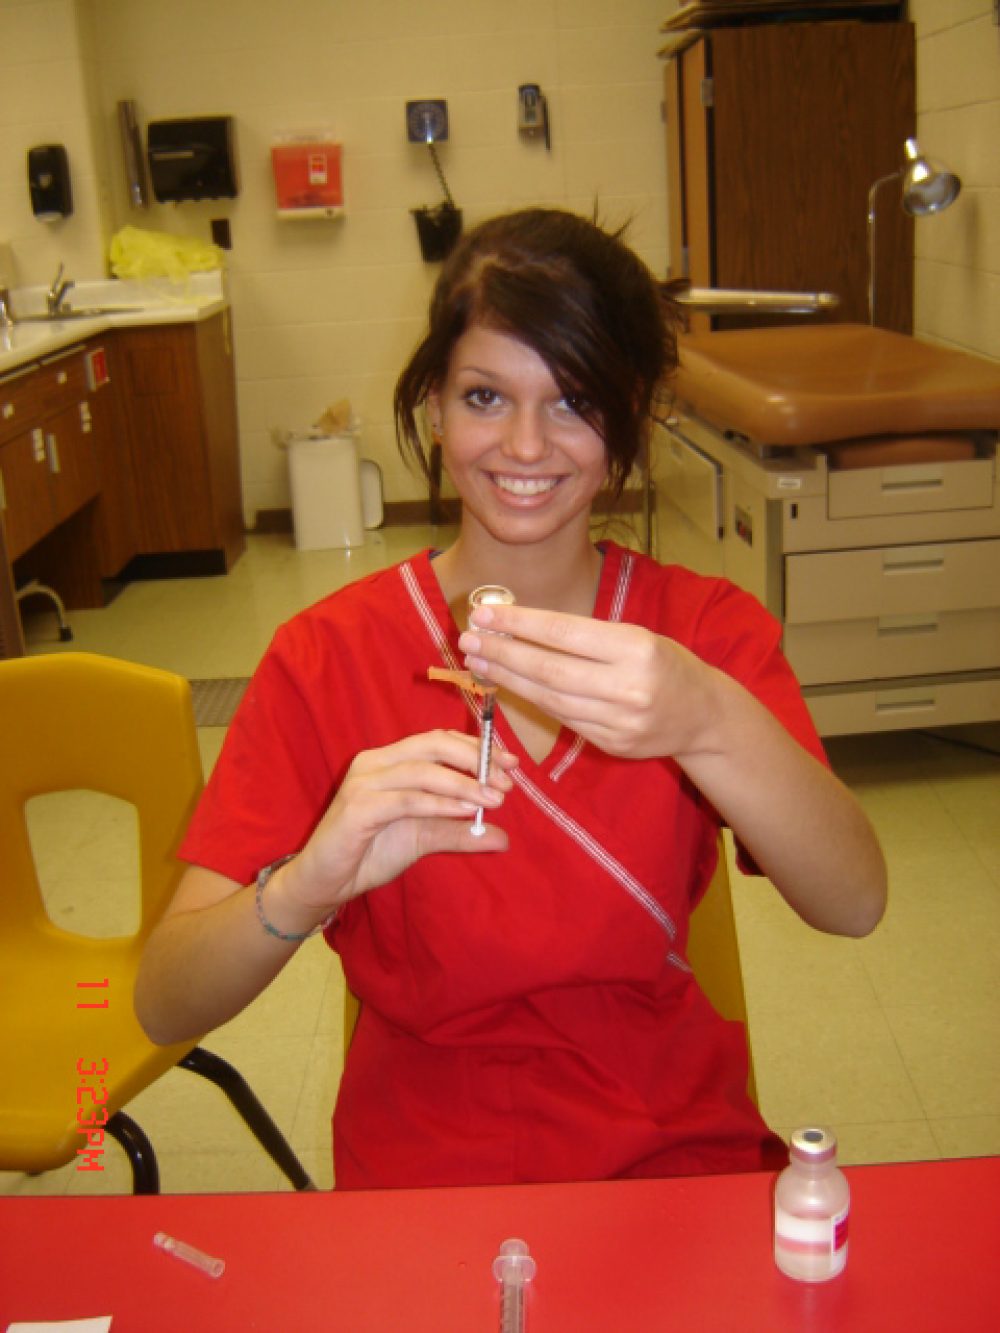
{"x": 290, "y": 937}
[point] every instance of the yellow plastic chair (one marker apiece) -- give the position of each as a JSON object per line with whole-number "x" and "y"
{"x": 713, "y": 952}
{"x": 72, "y": 1047}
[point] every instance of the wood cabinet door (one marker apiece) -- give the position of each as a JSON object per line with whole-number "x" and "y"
{"x": 784, "y": 129}
{"x": 162, "y": 400}
{"x": 116, "y": 506}
{"x": 27, "y": 495}
{"x": 72, "y": 459}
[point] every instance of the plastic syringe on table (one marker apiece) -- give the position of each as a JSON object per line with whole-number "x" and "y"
{"x": 490, "y": 594}
{"x": 513, "y": 1268}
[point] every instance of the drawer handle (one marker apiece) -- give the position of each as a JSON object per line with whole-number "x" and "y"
{"x": 53, "y": 448}
{"x": 907, "y": 706}
{"x": 905, "y": 487}
{"x": 897, "y": 627}
{"x": 917, "y": 565}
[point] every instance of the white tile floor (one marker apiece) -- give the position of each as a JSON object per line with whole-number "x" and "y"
{"x": 894, "y": 1040}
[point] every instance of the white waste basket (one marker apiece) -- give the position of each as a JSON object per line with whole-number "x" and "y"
{"x": 326, "y": 491}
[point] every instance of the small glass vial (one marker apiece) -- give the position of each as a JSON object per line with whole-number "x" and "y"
{"x": 812, "y": 1200}
{"x": 490, "y": 594}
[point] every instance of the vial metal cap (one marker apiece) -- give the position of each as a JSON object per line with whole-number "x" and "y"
{"x": 490, "y": 594}
{"x": 813, "y": 1144}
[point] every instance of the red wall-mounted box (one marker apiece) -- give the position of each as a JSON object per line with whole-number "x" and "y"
{"x": 307, "y": 179}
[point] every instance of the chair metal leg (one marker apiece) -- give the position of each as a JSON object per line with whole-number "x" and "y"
{"x": 145, "y": 1172}
{"x": 239, "y": 1092}
{"x": 33, "y": 588}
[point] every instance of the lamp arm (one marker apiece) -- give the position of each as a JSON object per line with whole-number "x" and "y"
{"x": 882, "y": 180}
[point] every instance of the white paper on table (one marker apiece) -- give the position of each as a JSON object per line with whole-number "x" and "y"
{"x": 99, "y": 1324}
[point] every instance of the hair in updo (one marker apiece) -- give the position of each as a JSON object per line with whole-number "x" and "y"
{"x": 574, "y": 293}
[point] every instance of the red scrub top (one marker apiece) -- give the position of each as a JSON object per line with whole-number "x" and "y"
{"x": 526, "y": 1015}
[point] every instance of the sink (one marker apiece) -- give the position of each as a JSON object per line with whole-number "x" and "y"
{"x": 78, "y": 312}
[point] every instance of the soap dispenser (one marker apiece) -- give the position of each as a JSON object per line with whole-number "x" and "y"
{"x": 49, "y": 183}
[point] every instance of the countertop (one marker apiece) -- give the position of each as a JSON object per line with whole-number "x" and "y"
{"x": 130, "y": 303}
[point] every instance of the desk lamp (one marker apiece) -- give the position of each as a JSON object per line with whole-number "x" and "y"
{"x": 927, "y": 187}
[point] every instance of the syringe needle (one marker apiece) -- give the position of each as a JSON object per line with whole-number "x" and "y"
{"x": 512, "y": 1268}
{"x": 485, "y": 750}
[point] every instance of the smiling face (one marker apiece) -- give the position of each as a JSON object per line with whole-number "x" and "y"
{"x": 525, "y": 462}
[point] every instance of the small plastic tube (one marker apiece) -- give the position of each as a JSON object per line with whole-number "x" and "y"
{"x": 513, "y": 1268}
{"x": 196, "y": 1258}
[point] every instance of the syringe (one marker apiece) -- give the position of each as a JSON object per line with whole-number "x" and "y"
{"x": 490, "y": 594}
{"x": 485, "y": 750}
{"x": 512, "y": 1268}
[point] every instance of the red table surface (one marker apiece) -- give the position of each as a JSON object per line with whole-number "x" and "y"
{"x": 635, "y": 1256}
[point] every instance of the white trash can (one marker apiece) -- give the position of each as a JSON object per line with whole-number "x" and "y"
{"x": 326, "y": 491}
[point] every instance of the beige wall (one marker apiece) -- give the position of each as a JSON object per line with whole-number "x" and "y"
{"x": 957, "y": 297}
{"x": 47, "y": 96}
{"x": 329, "y": 310}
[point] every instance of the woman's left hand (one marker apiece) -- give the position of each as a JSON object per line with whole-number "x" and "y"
{"x": 627, "y": 690}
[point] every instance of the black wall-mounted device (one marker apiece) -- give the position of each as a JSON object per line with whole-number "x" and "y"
{"x": 192, "y": 159}
{"x": 49, "y": 183}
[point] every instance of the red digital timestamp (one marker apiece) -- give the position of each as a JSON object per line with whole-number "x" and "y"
{"x": 91, "y": 1093}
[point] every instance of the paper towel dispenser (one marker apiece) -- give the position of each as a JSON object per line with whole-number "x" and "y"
{"x": 192, "y": 159}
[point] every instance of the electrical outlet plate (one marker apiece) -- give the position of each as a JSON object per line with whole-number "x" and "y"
{"x": 427, "y": 122}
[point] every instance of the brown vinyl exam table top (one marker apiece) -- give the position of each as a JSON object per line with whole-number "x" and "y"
{"x": 795, "y": 386}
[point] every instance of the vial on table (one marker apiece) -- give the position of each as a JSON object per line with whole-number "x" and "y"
{"x": 812, "y": 1200}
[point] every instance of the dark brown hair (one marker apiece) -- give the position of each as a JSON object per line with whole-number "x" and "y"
{"x": 574, "y": 293}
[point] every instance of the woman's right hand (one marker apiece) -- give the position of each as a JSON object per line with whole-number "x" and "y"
{"x": 395, "y": 805}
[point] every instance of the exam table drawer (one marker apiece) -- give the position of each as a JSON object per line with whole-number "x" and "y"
{"x": 921, "y": 644}
{"x": 919, "y": 488}
{"x": 891, "y": 580}
{"x": 692, "y": 482}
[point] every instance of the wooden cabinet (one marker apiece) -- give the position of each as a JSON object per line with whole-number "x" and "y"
{"x": 123, "y": 446}
{"x": 48, "y": 461}
{"x": 178, "y": 394}
{"x": 775, "y": 134}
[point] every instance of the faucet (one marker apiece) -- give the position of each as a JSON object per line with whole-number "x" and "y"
{"x": 6, "y": 313}
{"x": 56, "y": 294}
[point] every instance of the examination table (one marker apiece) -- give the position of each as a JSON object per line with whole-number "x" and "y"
{"x": 847, "y": 476}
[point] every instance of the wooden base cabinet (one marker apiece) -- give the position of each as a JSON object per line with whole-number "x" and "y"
{"x": 177, "y": 392}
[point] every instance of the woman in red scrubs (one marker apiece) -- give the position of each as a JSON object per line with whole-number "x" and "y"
{"x": 527, "y": 1009}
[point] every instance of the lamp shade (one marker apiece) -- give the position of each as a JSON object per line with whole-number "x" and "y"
{"x": 927, "y": 186}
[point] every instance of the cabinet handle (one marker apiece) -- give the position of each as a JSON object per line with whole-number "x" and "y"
{"x": 52, "y": 446}
{"x": 889, "y": 627}
{"x": 907, "y": 706}
{"x": 914, "y": 484}
{"x": 927, "y": 564}
{"x": 3, "y": 492}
